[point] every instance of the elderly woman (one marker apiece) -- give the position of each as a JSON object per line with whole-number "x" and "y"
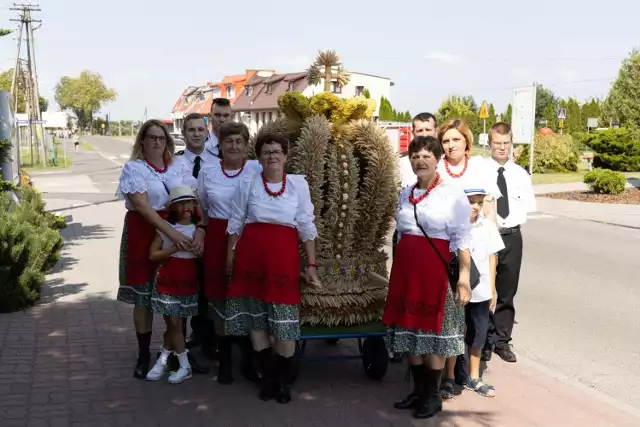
{"x": 458, "y": 168}
{"x": 143, "y": 185}
{"x": 216, "y": 187}
{"x": 269, "y": 213}
{"x": 425, "y": 315}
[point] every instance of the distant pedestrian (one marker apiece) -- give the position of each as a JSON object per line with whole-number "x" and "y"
{"x": 516, "y": 201}
{"x": 76, "y": 142}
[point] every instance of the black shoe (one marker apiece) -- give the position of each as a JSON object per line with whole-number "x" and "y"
{"x": 506, "y": 354}
{"x": 248, "y": 366}
{"x": 413, "y": 399}
{"x": 485, "y": 356}
{"x": 283, "y": 368}
{"x": 268, "y": 384}
{"x": 192, "y": 341}
{"x": 196, "y": 367}
{"x": 142, "y": 368}
{"x": 431, "y": 401}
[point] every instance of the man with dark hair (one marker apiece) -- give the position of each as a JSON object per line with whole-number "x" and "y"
{"x": 518, "y": 200}
{"x": 220, "y": 114}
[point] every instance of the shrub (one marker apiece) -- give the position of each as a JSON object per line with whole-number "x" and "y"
{"x": 30, "y": 244}
{"x": 605, "y": 181}
{"x": 615, "y": 149}
{"x": 552, "y": 153}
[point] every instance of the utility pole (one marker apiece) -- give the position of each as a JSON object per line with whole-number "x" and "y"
{"x": 32, "y": 93}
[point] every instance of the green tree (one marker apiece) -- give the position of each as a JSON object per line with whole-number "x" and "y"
{"x": 388, "y": 114}
{"x": 83, "y": 95}
{"x": 506, "y": 116}
{"x": 366, "y": 93}
{"x": 544, "y": 97}
{"x": 44, "y": 104}
{"x": 590, "y": 109}
{"x": 573, "y": 123}
{"x": 327, "y": 67}
{"x": 4, "y": 32}
{"x": 549, "y": 118}
{"x": 492, "y": 117}
{"x": 460, "y": 107}
{"x": 622, "y": 104}
{"x": 5, "y": 84}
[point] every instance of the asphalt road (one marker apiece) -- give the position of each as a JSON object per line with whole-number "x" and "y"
{"x": 578, "y": 309}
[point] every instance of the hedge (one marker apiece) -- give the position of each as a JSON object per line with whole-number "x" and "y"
{"x": 605, "y": 181}
{"x": 614, "y": 149}
{"x": 552, "y": 153}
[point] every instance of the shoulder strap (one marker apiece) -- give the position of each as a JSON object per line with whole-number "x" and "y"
{"x": 415, "y": 215}
{"x": 246, "y": 209}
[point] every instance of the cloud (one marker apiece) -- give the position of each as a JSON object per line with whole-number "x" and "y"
{"x": 444, "y": 57}
{"x": 567, "y": 75}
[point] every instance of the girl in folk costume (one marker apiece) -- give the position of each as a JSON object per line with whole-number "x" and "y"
{"x": 459, "y": 168}
{"x": 425, "y": 315}
{"x": 175, "y": 294}
{"x": 216, "y": 187}
{"x": 269, "y": 213}
{"x": 143, "y": 185}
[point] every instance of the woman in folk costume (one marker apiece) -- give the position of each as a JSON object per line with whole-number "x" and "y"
{"x": 143, "y": 185}
{"x": 175, "y": 294}
{"x": 459, "y": 168}
{"x": 424, "y": 314}
{"x": 216, "y": 187}
{"x": 269, "y": 213}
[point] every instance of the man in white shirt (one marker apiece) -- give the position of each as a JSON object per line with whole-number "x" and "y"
{"x": 220, "y": 114}
{"x": 517, "y": 201}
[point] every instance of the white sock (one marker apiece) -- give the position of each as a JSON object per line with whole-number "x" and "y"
{"x": 183, "y": 359}
{"x": 164, "y": 355}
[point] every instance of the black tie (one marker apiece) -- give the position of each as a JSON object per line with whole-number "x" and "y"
{"x": 503, "y": 202}
{"x": 196, "y": 167}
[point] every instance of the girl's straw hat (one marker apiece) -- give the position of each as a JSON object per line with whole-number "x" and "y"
{"x": 180, "y": 194}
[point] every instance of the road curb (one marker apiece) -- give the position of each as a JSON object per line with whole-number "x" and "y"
{"x": 615, "y": 224}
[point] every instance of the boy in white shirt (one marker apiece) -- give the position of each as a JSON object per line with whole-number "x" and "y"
{"x": 485, "y": 243}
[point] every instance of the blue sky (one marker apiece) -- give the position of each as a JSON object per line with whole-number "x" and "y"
{"x": 148, "y": 54}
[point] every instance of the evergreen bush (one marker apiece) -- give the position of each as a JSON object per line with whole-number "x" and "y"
{"x": 552, "y": 153}
{"x": 615, "y": 149}
{"x": 605, "y": 181}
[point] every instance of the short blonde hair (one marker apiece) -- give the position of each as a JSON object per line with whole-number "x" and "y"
{"x": 137, "y": 153}
{"x": 459, "y": 125}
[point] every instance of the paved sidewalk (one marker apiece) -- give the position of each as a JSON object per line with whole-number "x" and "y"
{"x": 68, "y": 362}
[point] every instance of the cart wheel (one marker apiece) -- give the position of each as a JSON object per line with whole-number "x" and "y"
{"x": 375, "y": 358}
{"x": 295, "y": 366}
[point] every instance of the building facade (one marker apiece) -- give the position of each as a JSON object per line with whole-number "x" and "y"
{"x": 258, "y": 102}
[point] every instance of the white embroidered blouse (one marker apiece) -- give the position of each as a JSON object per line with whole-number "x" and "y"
{"x": 444, "y": 214}
{"x": 477, "y": 176}
{"x": 293, "y": 208}
{"x": 139, "y": 177}
{"x": 188, "y": 230}
{"x": 216, "y": 191}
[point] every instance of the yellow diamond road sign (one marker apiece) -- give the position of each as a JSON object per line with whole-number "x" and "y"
{"x": 484, "y": 113}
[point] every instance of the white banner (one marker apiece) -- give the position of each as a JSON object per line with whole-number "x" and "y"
{"x": 523, "y": 115}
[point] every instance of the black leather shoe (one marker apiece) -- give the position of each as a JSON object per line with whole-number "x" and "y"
{"x": 429, "y": 407}
{"x": 196, "y": 367}
{"x": 283, "y": 394}
{"x": 409, "y": 402}
{"x": 192, "y": 341}
{"x": 142, "y": 368}
{"x": 485, "y": 356}
{"x": 506, "y": 354}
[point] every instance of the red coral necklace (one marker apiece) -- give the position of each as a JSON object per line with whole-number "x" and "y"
{"x": 276, "y": 193}
{"x": 416, "y": 200}
{"x": 457, "y": 175}
{"x": 157, "y": 169}
{"x": 228, "y": 175}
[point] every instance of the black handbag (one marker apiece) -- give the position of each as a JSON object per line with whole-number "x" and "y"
{"x": 453, "y": 268}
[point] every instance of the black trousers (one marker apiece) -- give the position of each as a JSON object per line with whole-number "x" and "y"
{"x": 394, "y": 242}
{"x": 507, "y": 278}
{"x": 201, "y": 325}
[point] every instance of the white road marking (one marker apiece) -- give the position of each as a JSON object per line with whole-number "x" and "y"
{"x": 124, "y": 156}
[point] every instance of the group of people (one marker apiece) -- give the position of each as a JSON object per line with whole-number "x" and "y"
{"x": 457, "y": 256}
{"x": 211, "y": 235}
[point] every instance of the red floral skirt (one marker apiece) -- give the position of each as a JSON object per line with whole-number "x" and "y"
{"x": 178, "y": 276}
{"x": 139, "y": 234}
{"x": 418, "y": 284}
{"x": 215, "y": 260}
{"x": 267, "y": 265}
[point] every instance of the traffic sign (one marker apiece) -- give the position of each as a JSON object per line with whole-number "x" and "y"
{"x": 484, "y": 113}
{"x": 562, "y": 114}
{"x": 561, "y": 123}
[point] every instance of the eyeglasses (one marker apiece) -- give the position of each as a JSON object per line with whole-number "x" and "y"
{"x": 154, "y": 138}
{"x": 274, "y": 153}
{"x": 500, "y": 144}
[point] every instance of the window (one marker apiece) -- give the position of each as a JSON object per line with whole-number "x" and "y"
{"x": 264, "y": 117}
{"x": 270, "y": 116}
{"x": 201, "y": 96}
{"x": 290, "y": 86}
{"x": 216, "y": 92}
{"x": 249, "y": 90}
{"x": 268, "y": 90}
{"x": 336, "y": 88}
{"x": 230, "y": 92}
{"x": 359, "y": 90}
{"x": 257, "y": 120}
